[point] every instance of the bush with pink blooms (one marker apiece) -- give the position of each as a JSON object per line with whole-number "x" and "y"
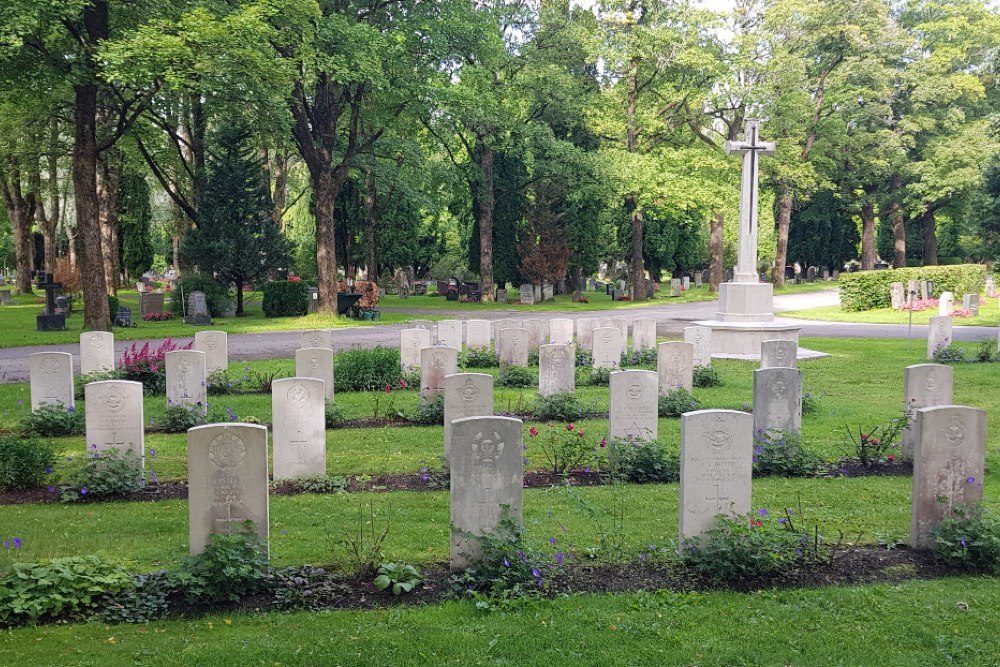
{"x": 147, "y": 365}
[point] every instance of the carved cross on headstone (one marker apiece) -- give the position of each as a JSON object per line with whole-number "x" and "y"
{"x": 114, "y": 442}
{"x": 720, "y": 501}
{"x": 298, "y": 442}
{"x": 751, "y": 147}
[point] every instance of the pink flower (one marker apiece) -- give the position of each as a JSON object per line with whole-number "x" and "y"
{"x": 533, "y": 431}
{"x": 891, "y": 458}
{"x": 569, "y": 427}
{"x": 388, "y": 389}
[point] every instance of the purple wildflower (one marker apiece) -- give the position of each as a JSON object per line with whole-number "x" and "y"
{"x": 84, "y": 491}
{"x": 552, "y": 541}
{"x": 970, "y": 480}
{"x": 6, "y": 544}
{"x": 536, "y": 573}
{"x": 52, "y": 489}
{"x": 152, "y": 452}
{"x": 48, "y": 471}
{"x": 506, "y": 563}
{"x": 17, "y": 543}
{"x": 71, "y": 409}
{"x": 963, "y": 542}
{"x": 152, "y": 474}
{"x": 559, "y": 557}
{"x": 763, "y": 512}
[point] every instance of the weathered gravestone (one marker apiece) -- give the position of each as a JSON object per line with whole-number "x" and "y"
{"x": 501, "y": 295}
{"x": 513, "y": 348}
{"x": 298, "y": 418}
{"x": 777, "y": 401}
{"x": 685, "y": 283}
{"x": 585, "y": 334}
{"x": 949, "y": 458}
{"x": 215, "y": 345}
{"x": 186, "y": 378}
{"x": 487, "y": 476}
{"x": 450, "y": 333}
{"x": 675, "y": 287}
{"x": 465, "y": 395}
{"x": 477, "y": 334}
{"x": 561, "y": 330}
{"x": 924, "y": 386}
{"x": 316, "y": 338}
{"x": 926, "y": 292}
{"x": 436, "y": 362}
{"x": 227, "y": 482}
{"x": 701, "y": 338}
{"x": 716, "y": 467}
{"x": 633, "y": 410}
{"x": 698, "y": 281}
{"x": 426, "y": 325}
{"x": 151, "y": 303}
{"x": 946, "y": 304}
{"x": 778, "y": 353}
{"x": 835, "y": 275}
{"x": 411, "y": 341}
{"x": 197, "y": 310}
{"x": 991, "y": 287}
{"x": 622, "y": 326}
{"x": 547, "y": 292}
{"x": 527, "y": 294}
{"x": 498, "y": 326}
{"x": 316, "y": 362}
{"x": 556, "y": 368}
{"x": 5, "y": 298}
{"x": 970, "y": 303}
{"x": 897, "y": 295}
{"x": 115, "y": 416}
{"x": 52, "y": 318}
{"x": 811, "y": 274}
{"x": 538, "y": 293}
{"x": 643, "y": 334}
{"x": 607, "y": 347}
{"x": 938, "y": 334}
{"x": 97, "y": 352}
{"x": 675, "y": 366}
{"x": 538, "y": 331}
{"x": 51, "y": 378}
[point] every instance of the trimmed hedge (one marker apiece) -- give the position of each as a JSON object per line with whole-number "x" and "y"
{"x": 868, "y": 290}
{"x": 216, "y": 294}
{"x": 285, "y": 298}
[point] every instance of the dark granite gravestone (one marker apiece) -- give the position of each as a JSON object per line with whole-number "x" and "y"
{"x": 123, "y": 318}
{"x": 197, "y": 313}
{"x": 150, "y": 303}
{"x": 50, "y": 319}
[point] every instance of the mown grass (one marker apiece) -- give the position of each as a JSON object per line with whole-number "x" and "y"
{"x": 988, "y": 314}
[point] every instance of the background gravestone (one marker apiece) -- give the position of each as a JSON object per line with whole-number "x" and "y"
{"x": 51, "y": 378}
{"x": 949, "y": 460}
{"x": 675, "y": 366}
{"x": 607, "y": 347}
{"x": 115, "y": 416}
{"x": 215, "y": 345}
{"x": 316, "y": 362}
{"x": 151, "y": 303}
{"x": 197, "y": 311}
{"x": 778, "y": 354}
{"x": 701, "y": 338}
{"x": 422, "y": 324}
{"x": 644, "y": 334}
{"x": 622, "y": 325}
{"x": 316, "y": 338}
{"x": 946, "y": 304}
{"x": 411, "y": 341}
{"x": 924, "y": 386}
{"x": 561, "y": 330}
{"x": 436, "y": 362}
{"x": 716, "y": 468}
{"x": 450, "y": 333}
{"x": 938, "y": 334}
{"x": 633, "y": 412}
{"x": 777, "y": 400}
{"x": 299, "y": 427}
{"x": 227, "y": 481}
{"x": 97, "y": 352}
{"x": 897, "y": 296}
{"x": 585, "y": 334}
{"x": 504, "y": 324}
{"x": 477, "y": 334}
{"x": 538, "y": 331}
{"x": 487, "y": 476}
{"x": 513, "y": 344}
{"x": 556, "y": 368}
{"x": 465, "y": 395}
{"x": 186, "y": 378}
{"x": 675, "y": 287}
{"x": 970, "y": 302}
{"x": 527, "y": 294}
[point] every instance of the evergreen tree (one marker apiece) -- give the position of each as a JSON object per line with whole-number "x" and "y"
{"x": 134, "y": 215}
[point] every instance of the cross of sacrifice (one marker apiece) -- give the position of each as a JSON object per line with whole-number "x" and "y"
{"x": 751, "y": 147}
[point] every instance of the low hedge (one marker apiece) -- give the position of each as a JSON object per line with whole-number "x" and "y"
{"x": 285, "y": 298}
{"x": 868, "y": 290}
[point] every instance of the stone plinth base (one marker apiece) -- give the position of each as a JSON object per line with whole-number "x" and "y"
{"x": 741, "y": 340}
{"x": 746, "y": 302}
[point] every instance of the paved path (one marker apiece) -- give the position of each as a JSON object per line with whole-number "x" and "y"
{"x": 670, "y": 321}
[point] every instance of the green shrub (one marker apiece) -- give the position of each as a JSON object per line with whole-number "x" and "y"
{"x": 24, "y": 462}
{"x": 367, "y": 370}
{"x": 986, "y": 350}
{"x": 113, "y": 303}
{"x": 180, "y": 418}
{"x": 216, "y": 294}
{"x": 644, "y": 462}
{"x": 639, "y": 358}
{"x": 600, "y": 377}
{"x": 867, "y": 290}
{"x": 322, "y": 484}
{"x": 285, "y": 298}
{"x": 478, "y": 358}
{"x": 305, "y": 587}
{"x": 105, "y": 474}
{"x": 227, "y": 569}
{"x": 517, "y": 376}
{"x": 429, "y": 412}
{"x": 54, "y": 420}
{"x": 564, "y": 446}
{"x": 217, "y": 383}
{"x": 950, "y": 353}
{"x": 146, "y": 599}
{"x": 743, "y": 547}
{"x": 706, "y": 376}
{"x": 59, "y": 588}
{"x": 401, "y": 577}
{"x": 676, "y": 402}
{"x": 80, "y": 381}
{"x": 969, "y": 539}
{"x": 782, "y": 455}
{"x": 333, "y": 414}
{"x": 562, "y": 406}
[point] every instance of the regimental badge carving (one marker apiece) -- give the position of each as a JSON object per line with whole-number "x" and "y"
{"x": 558, "y": 358}
{"x": 437, "y": 360}
{"x": 954, "y": 432}
{"x": 415, "y": 341}
{"x": 315, "y": 340}
{"x": 227, "y": 451}
{"x": 210, "y": 343}
{"x": 779, "y": 352}
{"x": 468, "y": 391}
{"x": 634, "y": 391}
{"x": 487, "y": 450}
{"x": 96, "y": 341}
{"x": 930, "y": 382}
{"x": 314, "y": 362}
{"x": 606, "y": 339}
{"x": 297, "y": 396}
{"x": 780, "y": 385}
{"x": 676, "y": 357}
{"x": 719, "y": 436}
{"x": 114, "y": 399}
{"x": 50, "y": 365}
{"x": 183, "y": 375}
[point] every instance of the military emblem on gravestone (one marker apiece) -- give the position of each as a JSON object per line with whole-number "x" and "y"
{"x": 558, "y": 358}
{"x": 96, "y": 341}
{"x": 780, "y": 352}
{"x": 515, "y": 339}
{"x": 719, "y": 437}
{"x": 437, "y": 360}
{"x": 606, "y": 339}
{"x": 183, "y": 375}
{"x": 313, "y": 362}
{"x": 954, "y": 432}
{"x": 930, "y": 382}
{"x": 780, "y": 385}
{"x": 676, "y": 356}
{"x": 634, "y": 391}
{"x": 315, "y": 340}
{"x": 697, "y": 337}
{"x": 210, "y": 343}
{"x": 114, "y": 400}
{"x": 468, "y": 391}
{"x": 486, "y": 452}
{"x": 227, "y": 451}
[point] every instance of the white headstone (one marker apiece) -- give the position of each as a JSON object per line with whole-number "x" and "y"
{"x": 698, "y": 280}
{"x": 299, "y": 426}
{"x": 527, "y": 294}
{"x": 777, "y": 400}
{"x": 778, "y": 354}
{"x": 316, "y": 338}
{"x": 538, "y": 331}
{"x": 97, "y": 352}
{"x": 215, "y": 345}
{"x": 411, "y": 341}
{"x": 685, "y": 283}
{"x": 487, "y": 476}
{"x": 186, "y": 378}
{"x": 644, "y": 334}
{"x": 938, "y": 334}
{"x": 585, "y": 334}
{"x": 450, "y": 333}
{"x": 949, "y": 459}
{"x": 701, "y": 338}
{"x": 115, "y": 416}
{"x": 227, "y": 481}
{"x": 561, "y": 330}
{"x": 897, "y": 296}
{"x": 633, "y": 412}
{"x": 675, "y": 366}
{"x": 477, "y": 334}
{"x": 513, "y": 347}
{"x": 716, "y": 467}
{"x": 465, "y": 395}
{"x": 556, "y": 368}
{"x": 991, "y": 287}
{"x": 426, "y": 325}
{"x": 316, "y": 362}
{"x": 607, "y": 347}
{"x": 924, "y": 386}
{"x": 946, "y": 304}
{"x": 675, "y": 287}
{"x": 622, "y": 326}
{"x": 51, "y": 377}
{"x": 499, "y": 326}
{"x": 436, "y": 362}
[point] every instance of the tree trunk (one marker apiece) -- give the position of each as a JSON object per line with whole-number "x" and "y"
{"x": 486, "y": 203}
{"x": 930, "y": 236}
{"x": 280, "y": 197}
{"x": 867, "y": 236}
{"x": 325, "y": 195}
{"x": 785, "y": 204}
{"x": 895, "y": 214}
{"x": 21, "y": 212}
{"x": 636, "y": 267}
{"x": 239, "y": 297}
{"x": 715, "y": 253}
{"x": 370, "y": 225}
{"x": 49, "y": 221}
{"x": 107, "y": 195}
{"x": 577, "y": 274}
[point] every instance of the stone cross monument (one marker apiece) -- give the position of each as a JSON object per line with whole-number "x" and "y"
{"x": 751, "y": 148}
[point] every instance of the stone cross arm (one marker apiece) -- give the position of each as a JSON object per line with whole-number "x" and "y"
{"x": 741, "y": 147}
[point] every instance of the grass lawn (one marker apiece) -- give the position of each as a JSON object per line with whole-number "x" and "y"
{"x": 988, "y": 315}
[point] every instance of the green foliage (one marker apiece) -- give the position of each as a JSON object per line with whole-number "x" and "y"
{"x": 332, "y": 414}
{"x": 59, "y": 588}
{"x": 106, "y": 474}
{"x": 113, "y": 303}
{"x": 285, "y": 298}
{"x": 322, "y": 484}
{"x": 562, "y": 406}
{"x": 970, "y": 538}
{"x": 360, "y": 549}
{"x": 676, "y": 402}
{"x": 517, "y": 376}
{"x": 216, "y": 293}
{"x": 227, "y": 569}
{"x": 600, "y": 377}
{"x": 146, "y": 599}
{"x": 180, "y": 418}
{"x": 305, "y": 587}
{"x": 217, "y": 383}
{"x": 873, "y": 446}
{"x": 868, "y": 290}
{"x": 639, "y": 358}
{"x": 952, "y": 353}
{"x": 53, "y": 420}
{"x": 564, "y": 446}
{"x": 706, "y": 376}
{"x": 742, "y": 548}
{"x": 367, "y": 370}
{"x": 80, "y": 381}
{"x": 782, "y": 455}
{"x": 823, "y": 232}
{"x": 134, "y": 216}
{"x": 810, "y": 402}
{"x": 986, "y": 350}
{"x": 24, "y": 462}
{"x": 429, "y": 412}
{"x": 478, "y": 358}
{"x": 644, "y": 462}
{"x": 402, "y": 577}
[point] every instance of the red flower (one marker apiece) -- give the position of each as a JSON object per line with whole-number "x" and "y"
{"x": 569, "y": 427}
{"x": 604, "y": 442}
{"x": 388, "y": 389}
{"x": 754, "y": 523}
{"x": 874, "y": 441}
{"x": 892, "y": 458}
{"x": 533, "y": 431}
{"x": 402, "y": 383}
